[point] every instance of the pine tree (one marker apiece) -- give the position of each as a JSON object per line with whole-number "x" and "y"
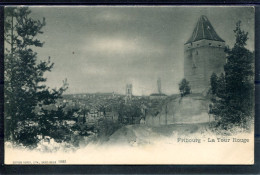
{"x": 25, "y": 92}
{"x": 233, "y": 92}
{"x": 214, "y": 83}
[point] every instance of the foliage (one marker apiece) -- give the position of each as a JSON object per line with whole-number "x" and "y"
{"x": 233, "y": 92}
{"x": 129, "y": 113}
{"x": 184, "y": 87}
{"x": 26, "y": 96}
{"x": 107, "y": 127}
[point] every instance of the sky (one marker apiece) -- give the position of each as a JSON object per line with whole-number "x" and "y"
{"x": 103, "y": 48}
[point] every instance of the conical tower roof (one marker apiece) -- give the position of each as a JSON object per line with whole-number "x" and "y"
{"x": 204, "y": 30}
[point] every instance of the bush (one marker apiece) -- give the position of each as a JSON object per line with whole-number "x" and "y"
{"x": 184, "y": 87}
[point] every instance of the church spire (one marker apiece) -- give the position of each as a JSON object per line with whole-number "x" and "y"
{"x": 204, "y": 30}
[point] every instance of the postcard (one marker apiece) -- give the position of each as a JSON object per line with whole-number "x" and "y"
{"x": 129, "y": 85}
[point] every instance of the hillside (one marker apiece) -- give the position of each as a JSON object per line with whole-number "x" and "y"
{"x": 142, "y": 134}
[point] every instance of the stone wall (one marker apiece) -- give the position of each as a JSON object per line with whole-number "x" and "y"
{"x": 189, "y": 109}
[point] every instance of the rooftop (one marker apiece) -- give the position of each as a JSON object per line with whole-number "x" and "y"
{"x": 204, "y": 30}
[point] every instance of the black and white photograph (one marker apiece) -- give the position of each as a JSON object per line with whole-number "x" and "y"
{"x": 129, "y": 85}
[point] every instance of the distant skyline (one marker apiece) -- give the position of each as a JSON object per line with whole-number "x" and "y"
{"x": 101, "y": 49}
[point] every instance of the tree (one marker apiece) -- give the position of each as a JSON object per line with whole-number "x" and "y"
{"x": 129, "y": 113}
{"x": 184, "y": 87}
{"x": 25, "y": 92}
{"x": 214, "y": 83}
{"x": 233, "y": 92}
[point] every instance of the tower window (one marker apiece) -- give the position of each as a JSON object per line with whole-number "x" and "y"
{"x": 197, "y": 53}
{"x": 210, "y": 44}
{"x": 219, "y": 45}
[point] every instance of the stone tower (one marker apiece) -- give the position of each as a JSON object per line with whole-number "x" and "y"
{"x": 159, "y": 86}
{"x": 203, "y": 55}
{"x": 128, "y": 95}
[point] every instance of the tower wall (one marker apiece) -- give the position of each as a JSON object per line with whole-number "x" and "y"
{"x": 201, "y": 59}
